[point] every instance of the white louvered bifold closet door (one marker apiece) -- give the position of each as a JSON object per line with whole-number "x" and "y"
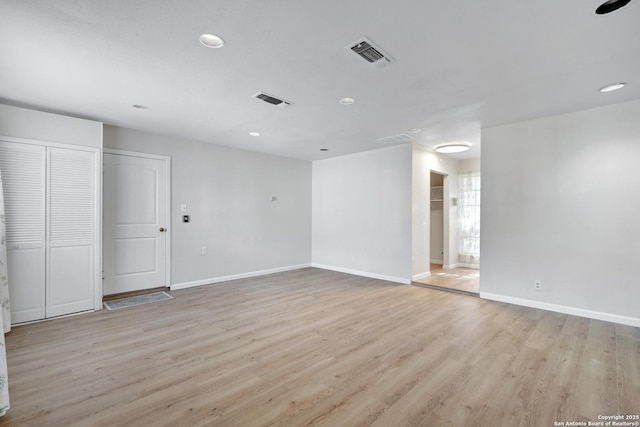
{"x": 23, "y": 175}
{"x": 70, "y": 231}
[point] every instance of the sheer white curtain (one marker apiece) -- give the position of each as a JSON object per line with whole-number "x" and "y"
{"x": 5, "y": 318}
{"x": 469, "y": 219}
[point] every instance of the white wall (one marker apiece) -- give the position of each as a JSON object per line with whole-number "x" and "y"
{"x": 436, "y": 234}
{"x": 23, "y": 123}
{"x": 469, "y": 165}
{"x": 423, "y": 162}
{"x": 362, "y": 213}
{"x": 561, "y": 204}
{"x": 228, "y": 193}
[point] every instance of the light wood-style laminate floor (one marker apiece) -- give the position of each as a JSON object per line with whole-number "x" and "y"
{"x": 461, "y": 278}
{"x": 314, "y": 347}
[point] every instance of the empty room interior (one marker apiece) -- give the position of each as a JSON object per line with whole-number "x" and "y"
{"x": 260, "y": 213}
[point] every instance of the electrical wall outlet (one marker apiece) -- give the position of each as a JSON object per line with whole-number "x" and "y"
{"x": 204, "y": 250}
{"x": 537, "y": 285}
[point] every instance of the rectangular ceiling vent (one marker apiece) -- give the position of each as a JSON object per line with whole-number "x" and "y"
{"x": 371, "y": 53}
{"x": 396, "y": 139}
{"x": 282, "y": 103}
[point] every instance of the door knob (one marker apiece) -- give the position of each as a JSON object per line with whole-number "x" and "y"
{"x": 161, "y": 228}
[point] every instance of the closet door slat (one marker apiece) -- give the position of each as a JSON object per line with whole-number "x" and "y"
{"x": 23, "y": 175}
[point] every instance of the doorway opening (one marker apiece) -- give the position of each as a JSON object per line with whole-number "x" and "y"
{"x": 459, "y": 209}
{"x": 136, "y": 222}
{"x": 437, "y": 219}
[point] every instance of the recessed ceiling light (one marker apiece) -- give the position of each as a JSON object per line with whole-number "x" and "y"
{"x": 254, "y": 133}
{"x": 347, "y": 101}
{"x": 611, "y": 6}
{"x": 140, "y": 107}
{"x": 211, "y": 40}
{"x": 452, "y": 148}
{"x": 414, "y": 130}
{"x": 324, "y": 149}
{"x": 612, "y": 87}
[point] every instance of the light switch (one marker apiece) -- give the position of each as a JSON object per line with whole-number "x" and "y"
{"x": 183, "y": 208}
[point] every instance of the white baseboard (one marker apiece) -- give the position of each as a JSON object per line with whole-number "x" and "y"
{"x": 450, "y": 266}
{"x": 607, "y": 317}
{"x": 465, "y": 265}
{"x": 420, "y": 276}
{"x": 363, "y": 273}
{"x": 213, "y": 280}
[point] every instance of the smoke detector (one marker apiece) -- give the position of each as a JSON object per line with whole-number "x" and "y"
{"x": 370, "y": 52}
{"x": 274, "y": 100}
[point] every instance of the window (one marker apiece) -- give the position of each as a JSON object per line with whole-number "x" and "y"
{"x": 469, "y": 218}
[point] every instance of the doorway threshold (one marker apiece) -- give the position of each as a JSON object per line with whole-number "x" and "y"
{"x": 120, "y": 295}
{"x": 442, "y": 288}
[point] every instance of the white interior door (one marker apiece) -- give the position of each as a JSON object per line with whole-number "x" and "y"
{"x": 135, "y": 223}
{"x": 71, "y": 240}
{"x": 23, "y": 173}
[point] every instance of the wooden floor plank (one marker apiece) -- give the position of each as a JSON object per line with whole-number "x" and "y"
{"x": 315, "y": 347}
{"x": 460, "y": 278}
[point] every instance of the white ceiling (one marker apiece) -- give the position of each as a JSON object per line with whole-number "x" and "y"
{"x": 460, "y": 66}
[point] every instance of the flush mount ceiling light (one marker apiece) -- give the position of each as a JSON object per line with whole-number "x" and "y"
{"x": 611, "y": 6}
{"x": 458, "y": 147}
{"x": 612, "y": 87}
{"x": 211, "y": 40}
{"x": 254, "y": 133}
{"x": 140, "y": 107}
{"x": 414, "y": 130}
{"x": 346, "y": 101}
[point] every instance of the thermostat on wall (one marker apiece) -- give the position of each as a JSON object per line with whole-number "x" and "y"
{"x": 185, "y": 218}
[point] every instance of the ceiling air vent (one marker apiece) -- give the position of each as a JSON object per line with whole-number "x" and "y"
{"x": 282, "y": 103}
{"x": 371, "y": 53}
{"x": 396, "y": 139}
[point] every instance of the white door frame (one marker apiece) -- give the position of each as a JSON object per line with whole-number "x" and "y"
{"x": 167, "y": 159}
